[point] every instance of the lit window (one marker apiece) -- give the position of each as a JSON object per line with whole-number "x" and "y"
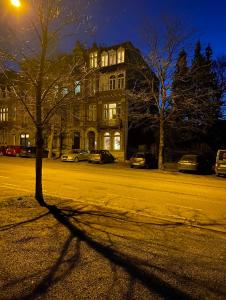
{"x": 4, "y": 114}
{"x": 93, "y": 60}
{"x": 92, "y": 112}
{"x": 25, "y": 139}
{"x": 112, "y": 57}
{"x": 121, "y": 81}
{"x": 121, "y": 55}
{"x": 110, "y": 111}
{"x": 77, "y": 87}
{"x": 104, "y": 59}
{"x": 117, "y": 141}
{"x": 112, "y": 82}
{"x": 107, "y": 141}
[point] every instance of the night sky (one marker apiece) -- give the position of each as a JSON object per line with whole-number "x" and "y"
{"x": 125, "y": 20}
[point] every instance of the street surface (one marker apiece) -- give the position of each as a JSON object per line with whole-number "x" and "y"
{"x": 124, "y": 233}
{"x": 199, "y": 200}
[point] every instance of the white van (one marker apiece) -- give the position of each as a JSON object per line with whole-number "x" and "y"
{"x": 220, "y": 166}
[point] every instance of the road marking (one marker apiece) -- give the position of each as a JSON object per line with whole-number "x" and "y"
{"x": 186, "y": 207}
{"x": 14, "y": 187}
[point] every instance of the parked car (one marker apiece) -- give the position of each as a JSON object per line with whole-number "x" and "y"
{"x": 75, "y": 155}
{"x": 31, "y": 152}
{"x": 197, "y": 163}
{"x": 2, "y": 150}
{"x": 143, "y": 160}
{"x": 13, "y": 150}
{"x": 220, "y": 166}
{"x": 101, "y": 157}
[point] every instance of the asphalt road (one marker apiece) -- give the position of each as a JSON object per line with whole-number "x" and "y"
{"x": 156, "y": 235}
{"x": 199, "y": 200}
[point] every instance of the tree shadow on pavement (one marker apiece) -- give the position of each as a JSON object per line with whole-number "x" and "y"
{"x": 131, "y": 265}
{"x": 117, "y": 238}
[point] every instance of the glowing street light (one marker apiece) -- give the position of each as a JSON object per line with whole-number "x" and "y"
{"x": 16, "y": 3}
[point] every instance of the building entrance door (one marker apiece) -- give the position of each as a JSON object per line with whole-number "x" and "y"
{"x": 91, "y": 140}
{"x": 76, "y": 142}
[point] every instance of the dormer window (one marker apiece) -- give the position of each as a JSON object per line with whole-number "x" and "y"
{"x": 93, "y": 60}
{"x": 112, "y": 57}
{"x": 120, "y": 55}
{"x": 104, "y": 59}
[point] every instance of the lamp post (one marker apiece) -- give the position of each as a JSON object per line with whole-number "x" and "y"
{"x": 15, "y": 3}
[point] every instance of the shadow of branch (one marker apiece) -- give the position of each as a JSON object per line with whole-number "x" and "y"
{"x": 151, "y": 281}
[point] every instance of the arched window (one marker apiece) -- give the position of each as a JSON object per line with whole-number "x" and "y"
{"x": 112, "y": 82}
{"x": 120, "y": 55}
{"x": 112, "y": 57}
{"x": 121, "y": 81}
{"x": 104, "y": 59}
{"x": 107, "y": 141}
{"x": 117, "y": 141}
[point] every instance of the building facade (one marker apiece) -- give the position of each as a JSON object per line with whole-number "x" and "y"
{"x": 97, "y": 115}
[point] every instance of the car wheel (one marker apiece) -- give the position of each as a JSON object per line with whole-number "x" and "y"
{"x": 76, "y": 159}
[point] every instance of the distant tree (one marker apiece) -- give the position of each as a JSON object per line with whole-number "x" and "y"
{"x": 195, "y": 95}
{"x": 219, "y": 69}
{"x": 45, "y": 80}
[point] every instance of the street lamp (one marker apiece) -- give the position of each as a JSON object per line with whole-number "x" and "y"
{"x": 16, "y": 3}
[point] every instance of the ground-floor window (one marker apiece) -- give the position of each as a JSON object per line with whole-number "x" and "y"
{"x": 112, "y": 141}
{"x": 25, "y": 139}
{"x": 117, "y": 141}
{"x": 107, "y": 141}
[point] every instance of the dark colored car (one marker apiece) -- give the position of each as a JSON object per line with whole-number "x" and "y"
{"x": 2, "y": 150}
{"x": 143, "y": 160}
{"x": 31, "y": 152}
{"x": 101, "y": 157}
{"x": 13, "y": 150}
{"x": 220, "y": 166}
{"x": 196, "y": 163}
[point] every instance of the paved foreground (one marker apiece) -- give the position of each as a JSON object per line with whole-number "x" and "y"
{"x": 74, "y": 251}
{"x": 124, "y": 234}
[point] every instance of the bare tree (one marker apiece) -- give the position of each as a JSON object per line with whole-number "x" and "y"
{"x": 154, "y": 94}
{"x": 45, "y": 81}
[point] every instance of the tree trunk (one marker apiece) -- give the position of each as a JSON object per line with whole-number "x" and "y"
{"x": 50, "y": 142}
{"x": 38, "y": 167}
{"x": 161, "y": 144}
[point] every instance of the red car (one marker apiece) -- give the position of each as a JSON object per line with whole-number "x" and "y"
{"x": 13, "y": 150}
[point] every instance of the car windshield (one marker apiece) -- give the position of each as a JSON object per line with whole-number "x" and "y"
{"x": 222, "y": 155}
{"x": 73, "y": 151}
{"x": 190, "y": 157}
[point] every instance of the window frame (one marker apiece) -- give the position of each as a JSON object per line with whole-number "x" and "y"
{"x": 117, "y": 135}
{"x": 120, "y": 55}
{"x": 112, "y": 57}
{"x": 104, "y": 59}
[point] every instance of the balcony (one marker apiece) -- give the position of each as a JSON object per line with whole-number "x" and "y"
{"x": 113, "y": 123}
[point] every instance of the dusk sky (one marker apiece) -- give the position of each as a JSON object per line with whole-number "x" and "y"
{"x": 119, "y": 21}
{"x": 126, "y": 20}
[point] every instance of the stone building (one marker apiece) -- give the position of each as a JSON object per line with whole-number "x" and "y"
{"x": 97, "y": 115}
